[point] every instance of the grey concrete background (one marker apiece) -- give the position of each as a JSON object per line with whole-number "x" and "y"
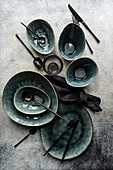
{"x": 14, "y": 58}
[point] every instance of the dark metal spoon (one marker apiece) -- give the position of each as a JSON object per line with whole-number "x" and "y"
{"x": 31, "y": 132}
{"x": 40, "y": 39}
{"x": 37, "y": 61}
{"x": 29, "y": 96}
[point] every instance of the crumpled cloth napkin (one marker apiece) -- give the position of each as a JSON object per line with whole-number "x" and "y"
{"x": 69, "y": 94}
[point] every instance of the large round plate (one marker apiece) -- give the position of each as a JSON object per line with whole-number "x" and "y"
{"x": 29, "y": 78}
{"x": 82, "y": 136}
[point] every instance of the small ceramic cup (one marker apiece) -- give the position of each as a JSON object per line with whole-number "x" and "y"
{"x": 52, "y": 64}
{"x": 72, "y": 42}
{"x": 44, "y": 42}
{"x": 81, "y": 72}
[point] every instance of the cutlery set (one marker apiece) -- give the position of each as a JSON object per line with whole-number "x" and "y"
{"x": 41, "y": 39}
{"x": 72, "y": 124}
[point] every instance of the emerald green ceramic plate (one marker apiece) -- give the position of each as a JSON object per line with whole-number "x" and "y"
{"x": 29, "y": 78}
{"x": 82, "y": 136}
{"x": 31, "y": 107}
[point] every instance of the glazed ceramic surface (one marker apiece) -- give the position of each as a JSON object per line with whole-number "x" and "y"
{"x": 34, "y": 79}
{"x": 52, "y": 64}
{"x": 72, "y": 42}
{"x": 82, "y": 136}
{"x": 81, "y": 72}
{"x": 42, "y": 29}
{"x": 31, "y": 107}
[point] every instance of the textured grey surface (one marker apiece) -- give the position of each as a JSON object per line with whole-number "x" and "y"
{"x": 14, "y": 58}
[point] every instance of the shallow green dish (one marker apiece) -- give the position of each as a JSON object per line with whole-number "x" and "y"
{"x": 72, "y": 42}
{"x": 42, "y": 29}
{"x": 81, "y": 72}
{"x": 31, "y": 107}
{"x": 82, "y": 136}
{"x": 29, "y": 78}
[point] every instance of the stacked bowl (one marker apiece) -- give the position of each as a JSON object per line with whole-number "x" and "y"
{"x": 23, "y": 108}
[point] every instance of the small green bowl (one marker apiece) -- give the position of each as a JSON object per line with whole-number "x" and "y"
{"x": 72, "y": 42}
{"x": 31, "y": 107}
{"x": 42, "y": 29}
{"x": 81, "y": 72}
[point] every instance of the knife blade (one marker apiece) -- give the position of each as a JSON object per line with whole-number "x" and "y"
{"x": 82, "y": 21}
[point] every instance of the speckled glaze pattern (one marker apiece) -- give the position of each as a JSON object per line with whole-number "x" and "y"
{"x": 90, "y": 68}
{"x": 42, "y": 29}
{"x": 72, "y": 33}
{"x": 82, "y": 136}
{"x": 29, "y": 78}
{"x": 31, "y": 107}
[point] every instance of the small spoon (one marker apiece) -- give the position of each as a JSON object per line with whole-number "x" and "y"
{"x": 37, "y": 61}
{"x": 29, "y": 96}
{"x": 70, "y": 124}
{"x": 31, "y": 132}
{"x": 40, "y": 39}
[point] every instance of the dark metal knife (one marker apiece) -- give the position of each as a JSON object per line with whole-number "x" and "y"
{"x": 82, "y": 21}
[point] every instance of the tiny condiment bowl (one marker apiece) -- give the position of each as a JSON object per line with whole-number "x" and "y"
{"x": 81, "y": 72}
{"x": 52, "y": 64}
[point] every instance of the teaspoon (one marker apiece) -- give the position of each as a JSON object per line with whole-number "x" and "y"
{"x": 40, "y": 39}
{"x": 31, "y": 132}
{"x": 37, "y": 61}
{"x": 29, "y": 96}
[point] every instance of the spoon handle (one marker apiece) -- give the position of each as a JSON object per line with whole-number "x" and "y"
{"x": 31, "y": 132}
{"x": 49, "y": 109}
{"x": 22, "y": 140}
{"x": 55, "y": 142}
{"x": 30, "y": 30}
{"x": 25, "y": 46}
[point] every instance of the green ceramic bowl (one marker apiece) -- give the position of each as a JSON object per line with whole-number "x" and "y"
{"x": 31, "y": 107}
{"x": 42, "y": 29}
{"x": 72, "y": 42}
{"x": 29, "y": 78}
{"x": 82, "y": 136}
{"x": 81, "y": 72}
